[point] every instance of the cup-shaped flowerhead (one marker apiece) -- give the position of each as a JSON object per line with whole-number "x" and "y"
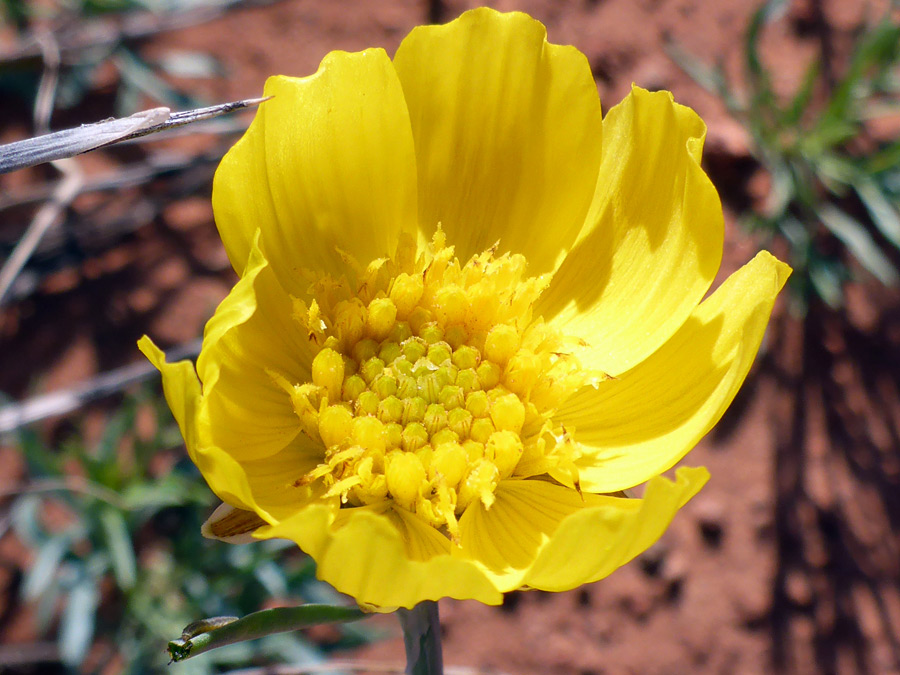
{"x": 470, "y": 314}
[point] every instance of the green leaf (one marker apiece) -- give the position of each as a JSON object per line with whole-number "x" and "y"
{"x": 25, "y": 515}
{"x": 860, "y": 244}
{"x": 883, "y": 213}
{"x": 763, "y": 102}
{"x": 119, "y": 425}
{"x": 47, "y": 605}
{"x": 877, "y": 49}
{"x": 793, "y": 114}
{"x": 182, "y": 63}
{"x": 138, "y": 74}
{"x": 172, "y": 490}
{"x": 827, "y": 283}
{"x": 256, "y": 625}
{"x": 39, "y": 459}
{"x": 43, "y": 570}
{"x": 121, "y": 550}
{"x": 711, "y": 78}
{"x": 77, "y": 622}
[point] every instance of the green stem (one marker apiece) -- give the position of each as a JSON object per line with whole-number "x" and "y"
{"x": 202, "y": 636}
{"x": 422, "y": 637}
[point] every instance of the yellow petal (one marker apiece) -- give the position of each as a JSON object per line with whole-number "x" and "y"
{"x": 642, "y": 423}
{"x": 547, "y": 536}
{"x": 251, "y": 337}
{"x": 182, "y": 391}
{"x": 506, "y": 538}
{"x": 653, "y": 237}
{"x": 273, "y": 480}
{"x": 597, "y": 540}
{"x": 370, "y": 556}
{"x": 507, "y": 130}
{"x": 327, "y": 163}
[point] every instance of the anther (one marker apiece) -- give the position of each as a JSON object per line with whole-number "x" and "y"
{"x": 508, "y": 413}
{"x": 328, "y": 372}
{"x": 466, "y": 357}
{"x": 435, "y": 418}
{"x": 439, "y": 353}
{"x": 522, "y": 372}
{"x": 353, "y": 387}
{"x": 364, "y": 350}
{"x": 477, "y": 403}
{"x": 479, "y": 483}
{"x": 460, "y": 421}
{"x": 504, "y": 449}
{"x": 414, "y": 349}
{"x": 385, "y": 385}
{"x": 368, "y": 433}
{"x": 390, "y": 409}
{"x": 413, "y": 409}
{"x": 444, "y": 436}
{"x": 488, "y": 374}
{"x": 389, "y": 352}
{"x": 455, "y": 335}
{"x": 405, "y": 476}
{"x": 380, "y": 317}
{"x": 349, "y": 321}
{"x": 481, "y": 430}
{"x": 467, "y": 380}
{"x": 431, "y": 332}
{"x": 501, "y": 343}
{"x": 367, "y": 403}
{"x": 451, "y": 397}
{"x": 371, "y": 369}
{"x": 450, "y": 304}
{"x": 406, "y": 291}
{"x": 335, "y": 423}
{"x": 449, "y": 461}
{"x": 413, "y": 437}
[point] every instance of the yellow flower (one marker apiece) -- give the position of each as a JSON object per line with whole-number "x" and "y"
{"x": 463, "y": 326}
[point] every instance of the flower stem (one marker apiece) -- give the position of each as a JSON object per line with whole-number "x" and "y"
{"x": 422, "y": 637}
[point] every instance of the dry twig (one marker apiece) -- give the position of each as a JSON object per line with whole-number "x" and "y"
{"x": 15, "y": 415}
{"x": 87, "y": 137}
{"x": 65, "y": 191}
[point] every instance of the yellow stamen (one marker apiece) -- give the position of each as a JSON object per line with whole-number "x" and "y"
{"x": 432, "y": 383}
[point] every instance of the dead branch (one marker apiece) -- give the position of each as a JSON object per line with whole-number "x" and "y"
{"x": 15, "y": 415}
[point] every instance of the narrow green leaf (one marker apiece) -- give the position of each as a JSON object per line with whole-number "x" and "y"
{"x": 41, "y": 461}
{"x": 883, "y": 213}
{"x": 171, "y": 490}
{"x": 47, "y": 605}
{"x": 25, "y": 521}
{"x": 827, "y": 284}
{"x": 42, "y": 572}
{"x": 119, "y": 425}
{"x": 137, "y": 73}
{"x": 121, "y": 550}
{"x": 259, "y": 624}
{"x": 77, "y": 622}
{"x": 181, "y": 63}
{"x": 711, "y": 78}
{"x": 793, "y": 114}
{"x": 860, "y": 244}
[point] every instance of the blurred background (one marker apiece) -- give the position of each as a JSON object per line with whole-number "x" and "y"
{"x": 788, "y": 561}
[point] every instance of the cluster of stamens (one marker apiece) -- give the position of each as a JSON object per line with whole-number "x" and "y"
{"x": 432, "y": 383}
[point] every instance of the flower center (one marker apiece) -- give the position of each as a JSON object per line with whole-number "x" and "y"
{"x": 433, "y": 382}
